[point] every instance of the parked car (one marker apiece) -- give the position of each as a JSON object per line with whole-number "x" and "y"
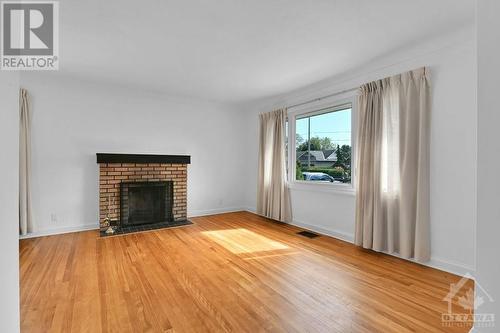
{"x": 318, "y": 176}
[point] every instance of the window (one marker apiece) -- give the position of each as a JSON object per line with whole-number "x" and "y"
{"x": 323, "y": 145}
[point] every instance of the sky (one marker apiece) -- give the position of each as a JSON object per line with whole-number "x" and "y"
{"x": 335, "y": 125}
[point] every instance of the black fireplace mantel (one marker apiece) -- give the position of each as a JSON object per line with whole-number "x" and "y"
{"x": 142, "y": 158}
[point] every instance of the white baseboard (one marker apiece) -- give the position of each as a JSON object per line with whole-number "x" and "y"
{"x": 205, "y": 212}
{"x": 61, "y": 230}
{"x": 251, "y": 210}
{"x": 328, "y": 232}
{"x": 457, "y": 268}
{"x": 65, "y": 230}
{"x": 438, "y": 263}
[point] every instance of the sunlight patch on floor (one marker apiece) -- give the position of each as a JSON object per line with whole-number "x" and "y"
{"x": 243, "y": 241}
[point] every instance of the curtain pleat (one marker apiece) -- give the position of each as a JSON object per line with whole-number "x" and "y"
{"x": 273, "y": 200}
{"x": 25, "y": 217}
{"x": 392, "y": 201}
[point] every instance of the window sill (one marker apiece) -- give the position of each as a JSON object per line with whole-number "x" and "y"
{"x": 342, "y": 189}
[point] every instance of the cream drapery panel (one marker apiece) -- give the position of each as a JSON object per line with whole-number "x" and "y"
{"x": 273, "y": 199}
{"x": 25, "y": 218}
{"x": 392, "y": 159}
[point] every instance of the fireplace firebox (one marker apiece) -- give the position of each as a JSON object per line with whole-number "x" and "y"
{"x": 146, "y": 202}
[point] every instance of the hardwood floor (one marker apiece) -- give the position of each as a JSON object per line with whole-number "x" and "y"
{"x": 233, "y": 272}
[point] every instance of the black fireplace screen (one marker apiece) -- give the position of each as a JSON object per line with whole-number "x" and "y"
{"x": 146, "y": 202}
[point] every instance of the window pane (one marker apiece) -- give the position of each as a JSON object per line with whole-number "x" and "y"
{"x": 323, "y": 147}
{"x": 301, "y": 139}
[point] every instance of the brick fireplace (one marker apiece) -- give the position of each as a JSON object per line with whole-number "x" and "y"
{"x": 119, "y": 172}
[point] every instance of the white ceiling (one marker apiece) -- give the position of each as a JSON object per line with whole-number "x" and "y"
{"x": 239, "y": 50}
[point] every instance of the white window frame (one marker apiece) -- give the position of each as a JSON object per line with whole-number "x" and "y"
{"x": 312, "y": 109}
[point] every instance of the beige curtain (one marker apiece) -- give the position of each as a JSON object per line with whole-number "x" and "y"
{"x": 273, "y": 199}
{"x": 25, "y": 220}
{"x": 392, "y": 159}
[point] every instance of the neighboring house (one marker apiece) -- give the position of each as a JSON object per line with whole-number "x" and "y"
{"x": 317, "y": 158}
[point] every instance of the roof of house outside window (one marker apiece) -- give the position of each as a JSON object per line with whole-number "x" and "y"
{"x": 328, "y": 155}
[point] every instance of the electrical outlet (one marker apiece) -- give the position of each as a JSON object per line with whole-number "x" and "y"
{"x": 53, "y": 218}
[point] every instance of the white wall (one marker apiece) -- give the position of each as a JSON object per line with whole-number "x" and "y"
{"x": 9, "y": 211}
{"x": 452, "y": 63}
{"x": 72, "y": 120}
{"x": 488, "y": 176}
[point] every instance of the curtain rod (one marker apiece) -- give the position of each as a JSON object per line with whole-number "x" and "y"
{"x": 321, "y": 98}
{"x": 423, "y": 68}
